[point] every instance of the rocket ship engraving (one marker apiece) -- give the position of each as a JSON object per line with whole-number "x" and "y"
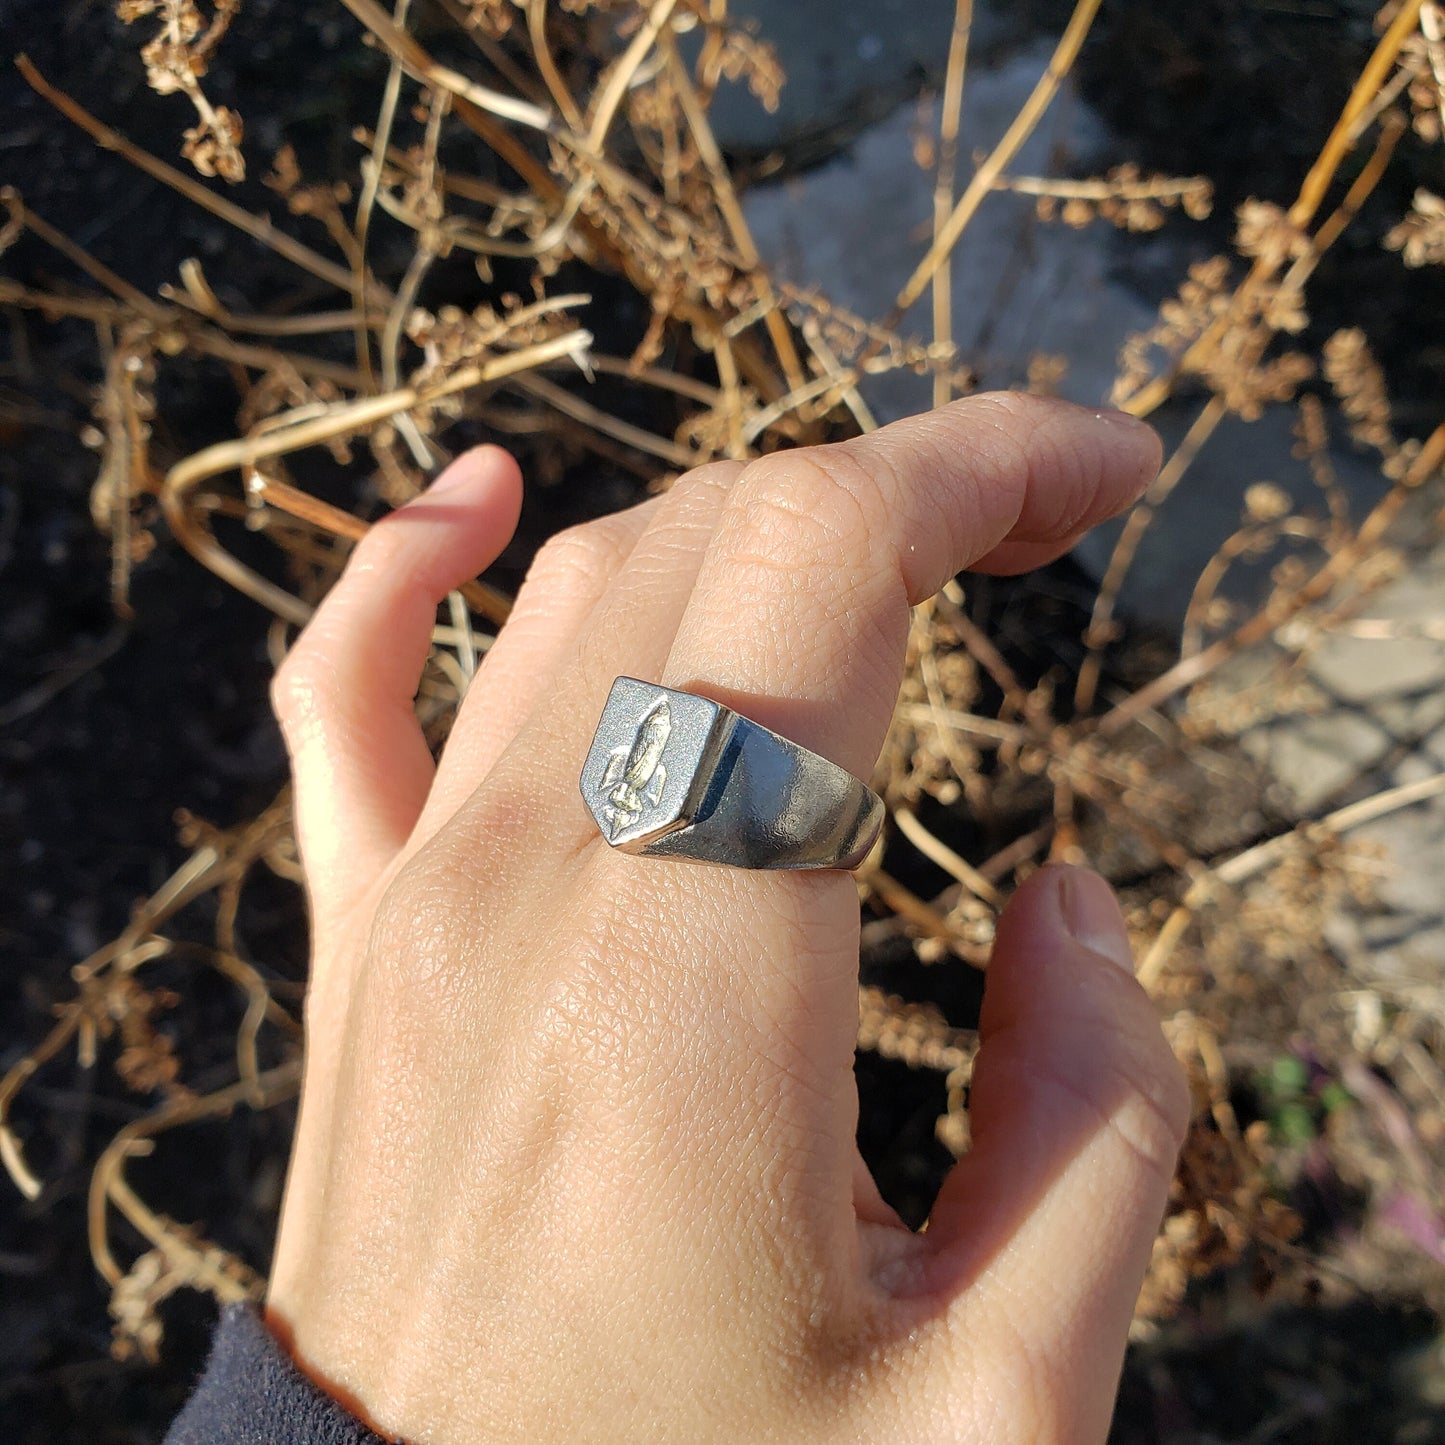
{"x": 634, "y": 777}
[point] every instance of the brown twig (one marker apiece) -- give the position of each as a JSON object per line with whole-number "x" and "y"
{"x": 998, "y": 160}
{"x": 948, "y": 125}
{"x": 481, "y": 597}
{"x": 1244, "y": 866}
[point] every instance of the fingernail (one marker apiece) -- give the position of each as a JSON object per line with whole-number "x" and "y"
{"x": 1091, "y": 914}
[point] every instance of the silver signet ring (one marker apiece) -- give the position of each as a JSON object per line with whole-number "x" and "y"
{"x": 674, "y": 775}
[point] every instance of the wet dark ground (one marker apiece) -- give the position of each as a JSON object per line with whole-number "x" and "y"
{"x": 108, "y": 727}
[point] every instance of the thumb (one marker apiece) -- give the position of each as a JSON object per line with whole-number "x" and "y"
{"x": 1041, "y": 1235}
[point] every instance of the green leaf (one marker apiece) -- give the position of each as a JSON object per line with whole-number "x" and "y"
{"x": 1289, "y": 1076}
{"x": 1294, "y": 1123}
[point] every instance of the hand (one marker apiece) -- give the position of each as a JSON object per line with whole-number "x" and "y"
{"x": 576, "y": 1154}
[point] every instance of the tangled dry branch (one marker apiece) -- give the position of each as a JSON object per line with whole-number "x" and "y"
{"x": 600, "y": 160}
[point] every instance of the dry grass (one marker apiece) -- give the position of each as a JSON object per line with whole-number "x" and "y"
{"x": 599, "y": 157}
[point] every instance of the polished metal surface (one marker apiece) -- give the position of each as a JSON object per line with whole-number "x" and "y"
{"x": 670, "y": 774}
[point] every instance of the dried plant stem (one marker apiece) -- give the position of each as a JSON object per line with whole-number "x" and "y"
{"x": 1143, "y": 401}
{"x": 964, "y": 765}
{"x": 993, "y": 166}
{"x": 727, "y": 369}
{"x": 948, "y": 125}
{"x": 261, "y": 1007}
{"x": 847, "y": 381}
{"x": 672, "y": 381}
{"x": 465, "y": 640}
{"x": 1342, "y": 139}
{"x": 605, "y": 107}
{"x": 414, "y": 59}
{"x": 196, "y": 339}
{"x": 936, "y": 850}
{"x": 1244, "y": 866}
{"x": 108, "y": 1184}
{"x": 1345, "y": 133}
{"x": 1189, "y": 670}
{"x": 1076, "y": 774}
{"x": 547, "y": 66}
{"x": 986, "y": 729}
{"x": 78, "y": 255}
{"x": 1254, "y": 538}
{"x": 732, "y": 212}
{"x": 923, "y": 916}
{"x": 915, "y": 1034}
{"x": 23, "y": 1177}
{"x": 1146, "y": 188}
{"x": 790, "y": 404}
{"x": 1139, "y": 520}
{"x": 538, "y": 178}
{"x": 981, "y": 647}
{"x": 204, "y": 870}
{"x": 1432, "y": 26}
{"x": 357, "y": 415}
{"x": 1388, "y": 629}
{"x": 589, "y": 415}
{"x": 482, "y": 598}
{"x": 244, "y": 452}
{"x": 1014, "y": 855}
{"x": 1392, "y": 127}
{"x": 195, "y": 293}
{"x": 366, "y": 203}
{"x": 390, "y": 346}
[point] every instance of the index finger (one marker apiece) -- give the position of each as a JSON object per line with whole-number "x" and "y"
{"x": 800, "y": 610}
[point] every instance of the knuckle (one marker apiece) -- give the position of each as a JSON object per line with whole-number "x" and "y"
{"x": 1001, "y": 428}
{"x": 380, "y": 550}
{"x": 1151, "y": 1120}
{"x": 1135, "y": 1093}
{"x": 576, "y": 557}
{"x": 1148, "y": 1104}
{"x": 702, "y": 484}
{"x": 798, "y": 509}
{"x": 1013, "y": 416}
{"x": 1155, "y": 1068}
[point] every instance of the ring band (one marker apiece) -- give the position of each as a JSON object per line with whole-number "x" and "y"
{"x": 673, "y": 775}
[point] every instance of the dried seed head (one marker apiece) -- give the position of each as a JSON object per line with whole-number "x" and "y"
{"x": 1420, "y": 237}
{"x": 1266, "y": 502}
{"x": 176, "y": 58}
{"x": 1359, "y": 384}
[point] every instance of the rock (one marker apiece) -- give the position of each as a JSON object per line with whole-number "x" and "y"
{"x": 856, "y": 227}
{"x": 848, "y": 63}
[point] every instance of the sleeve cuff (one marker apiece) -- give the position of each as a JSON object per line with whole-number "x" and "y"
{"x": 252, "y": 1393}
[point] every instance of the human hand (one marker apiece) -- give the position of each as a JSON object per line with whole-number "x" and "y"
{"x": 576, "y": 1156}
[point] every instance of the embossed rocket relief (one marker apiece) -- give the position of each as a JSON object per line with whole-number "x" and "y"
{"x": 634, "y": 777}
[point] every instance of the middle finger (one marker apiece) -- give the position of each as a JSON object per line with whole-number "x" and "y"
{"x": 605, "y": 595}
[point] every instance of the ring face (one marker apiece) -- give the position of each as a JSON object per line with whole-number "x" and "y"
{"x": 676, "y": 775}
{"x": 651, "y": 747}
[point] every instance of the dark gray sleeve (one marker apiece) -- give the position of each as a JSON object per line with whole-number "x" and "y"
{"x": 252, "y": 1394}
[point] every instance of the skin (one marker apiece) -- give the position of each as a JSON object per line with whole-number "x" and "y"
{"x": 576, "y": 1155}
